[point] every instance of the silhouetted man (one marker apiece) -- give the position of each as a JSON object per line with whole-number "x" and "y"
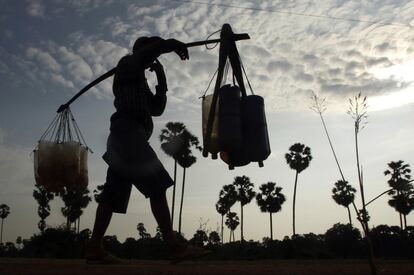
{"x": 130, "y": 158}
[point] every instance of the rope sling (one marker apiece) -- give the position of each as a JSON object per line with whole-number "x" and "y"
{"x": 238, "y": 131}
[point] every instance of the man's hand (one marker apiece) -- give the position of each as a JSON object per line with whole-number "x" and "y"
{"x": 180, "y": 49}
{"x": 156, "y": 67}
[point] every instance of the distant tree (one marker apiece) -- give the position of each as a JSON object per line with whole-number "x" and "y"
{"x": 344, "y": 194}
{"x": 270, "y": 200}
{"x": 227, "y": 198}
{"x": 199, "y": 238}
{"x": 75, "y": 200}
{"x": 232, "y": 221}
{"x": 343, "y": 239}
{"x": 158, "y": 234}
{"x": 19, "y": 242}
{"x": 98, "y": 192}
{"x": 142, "y": 232}
{"x": 172, "y": 144}
{"x": 298, "y": 159}
{"x": 401, "y": 189}
{"x": 213, "y": 238}
{"x": 245, "y": 194}
{"x": 4, "y": 212}
{"x": 43, "y": 197}
{"x": 186, "y": 159}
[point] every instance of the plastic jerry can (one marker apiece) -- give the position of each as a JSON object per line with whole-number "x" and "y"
{"x": 213, "y": 147}
{"x": 235, "y": 159}
{"x": 255, "y": 132}
{"x": 230, "y": 127}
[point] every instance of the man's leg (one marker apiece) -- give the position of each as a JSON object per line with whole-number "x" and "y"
{"x": 179, "y": 251}
{"x": 102, "y": 220}
{"x": 161, "y": 212}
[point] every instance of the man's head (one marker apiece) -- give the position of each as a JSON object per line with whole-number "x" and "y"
{"x": 143, "y": 41}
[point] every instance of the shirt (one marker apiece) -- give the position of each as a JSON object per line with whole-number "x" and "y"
{"x": 133, "y": 98}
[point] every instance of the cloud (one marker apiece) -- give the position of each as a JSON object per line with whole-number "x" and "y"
{"x": 44, "y": 59}
{"x": 35, "y": 8}
{"x": 279, "y": 66}
{"x": 282, "y": 58}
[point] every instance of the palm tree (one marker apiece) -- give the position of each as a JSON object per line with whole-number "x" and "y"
{"x": 227, "y": 198}
{"x": 185, "y": 159}
{"x": 232, "y": 221}
{"x": 298, "y": 159}
{"x": 172, "y": 143}
{"x": 97, "y": 192}
{"x": 403, "y": 202}
{"x": 344, "y": 194}
{"x": 142, "y": 232}
{"x": 270, "y": 199}
{"x": 400, "y": 188}
{"x": 4, "y": 212}
{"x": 43, "y": 197}
{"x": 245, "y": 194}
{"x": 75, "y": 199}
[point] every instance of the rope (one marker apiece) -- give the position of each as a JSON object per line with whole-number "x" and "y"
{"x": 208, "y": 87}
{"x": 244, "y": 71}
{"x": 64, "y": 128}
{"x": 215, "y": 45}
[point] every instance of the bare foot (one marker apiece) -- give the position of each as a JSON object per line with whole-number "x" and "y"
{"x": 187, "y": 253}
{"x": 97, "y": 255}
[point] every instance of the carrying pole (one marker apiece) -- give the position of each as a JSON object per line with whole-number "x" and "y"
{"x": 234, "y": 37}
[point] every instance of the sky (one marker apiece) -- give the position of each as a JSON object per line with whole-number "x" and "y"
{"x": 49, "y": 50}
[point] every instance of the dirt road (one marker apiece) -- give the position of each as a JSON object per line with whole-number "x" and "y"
{"x": 14, "y": 266}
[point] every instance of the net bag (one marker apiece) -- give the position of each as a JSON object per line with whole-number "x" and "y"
{"x": 61, "y": 155}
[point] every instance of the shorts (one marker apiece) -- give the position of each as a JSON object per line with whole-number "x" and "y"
{"x": 131, "y": 161}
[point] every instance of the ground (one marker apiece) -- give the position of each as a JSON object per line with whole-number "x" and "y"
{"x": 14, "y": 266}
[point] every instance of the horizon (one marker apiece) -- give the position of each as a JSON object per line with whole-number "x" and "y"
{"x": 51, "y": 50}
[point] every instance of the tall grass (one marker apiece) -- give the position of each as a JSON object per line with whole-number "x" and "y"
{"x": 358, "y": 111}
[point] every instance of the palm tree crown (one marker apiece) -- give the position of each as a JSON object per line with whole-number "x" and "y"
{"x": 343, "y": 193}
{"x": 170, "y": 138}
{"x": 400, "y": 175}
{"x": 244, "y": 189}
{"x": 4, "y": 211}
{"x": 270, "y": 198}
{"x": 299, "y": 157}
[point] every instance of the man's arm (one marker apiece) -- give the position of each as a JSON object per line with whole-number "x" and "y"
{"x": 148, "y": 53}
{"x": 159, "y": 100}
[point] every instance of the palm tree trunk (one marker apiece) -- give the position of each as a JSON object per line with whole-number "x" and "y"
{"x": 1, "y": 235}
{"x": 230, "y": 236}
{"x": 78, "y": 225}
{"x": 173, "y": 196}
{"x": 401, "y": 222}
{"x": 181, "y": 204}
{"x": 405, "y": 222}
{"x": 364, "y": 223}
{"x": 271, "y": 227}
{"x": 234, "y": 238}
{"x": 241, "y": 222}
{"x": 349, "y": 215}
{"x": 294, "y": 202}
{"x": 222, "y": 229}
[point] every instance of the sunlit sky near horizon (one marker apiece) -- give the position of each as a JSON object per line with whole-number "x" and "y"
{"x": 50, "y": 49}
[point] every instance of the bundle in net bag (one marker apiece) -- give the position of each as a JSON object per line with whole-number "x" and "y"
{"x": 60, "y": 158}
